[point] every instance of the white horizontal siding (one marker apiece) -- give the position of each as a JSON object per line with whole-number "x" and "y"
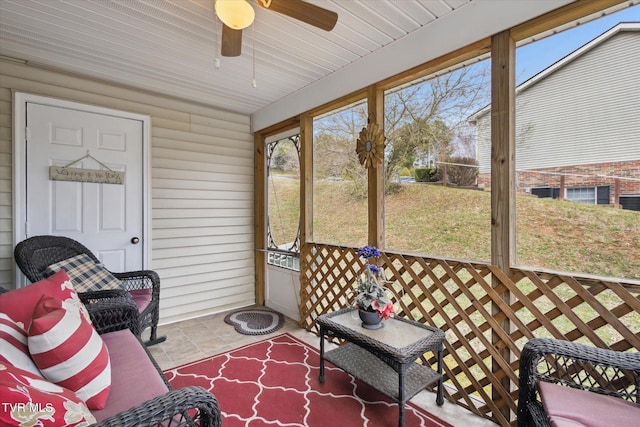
{"x": 174, "y": 223}
{"x": 202, "y": 190}
{"x": 585, "y": 112}
{"x": 6, "y": 183}
{"x": 191, "y": 252}
{"x": 205, "y": 213}
{"x": 483, "y": 140}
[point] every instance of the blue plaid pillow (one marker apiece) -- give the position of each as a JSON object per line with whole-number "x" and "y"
{"x": 85, "y": 274}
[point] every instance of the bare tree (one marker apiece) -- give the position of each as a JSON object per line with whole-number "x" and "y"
{"x": 431, "y": 117}
{"x": 422, "y": 119}
{"x": 334, "y": 146}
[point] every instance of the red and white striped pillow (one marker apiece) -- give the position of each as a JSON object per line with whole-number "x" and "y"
{"x": 69, "y": 351}
{"x": 13, "y": 342}
{"x": 19, "y": 304}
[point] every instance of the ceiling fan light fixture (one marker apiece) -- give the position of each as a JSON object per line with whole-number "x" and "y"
{"x": 236, "y": 14}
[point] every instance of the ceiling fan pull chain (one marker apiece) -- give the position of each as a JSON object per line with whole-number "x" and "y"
{"x": 253, "y": 45}
{"x": 215, "y": 41}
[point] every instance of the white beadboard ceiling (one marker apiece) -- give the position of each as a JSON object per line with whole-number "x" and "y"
{"x": 170, "y": 46}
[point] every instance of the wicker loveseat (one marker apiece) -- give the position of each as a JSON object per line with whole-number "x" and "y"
{"x": 566, "y": 383}
{"x": 139, "y": 393}
{"x": 35, "y": 254}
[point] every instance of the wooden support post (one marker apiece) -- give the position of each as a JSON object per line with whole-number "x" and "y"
{"x": 503, "y": 209}
{"x": 562, "y": 186}
{"x": 306, "y": 179}
{"x": 306, "y": 201}
{"x": 375, "y": 103}
{"x": 260, "y": 230}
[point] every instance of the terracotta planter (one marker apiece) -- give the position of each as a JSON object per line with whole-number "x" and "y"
{"x": 370, "y": 319}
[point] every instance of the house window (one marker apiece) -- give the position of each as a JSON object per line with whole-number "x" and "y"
{"x": 591, "y": 195}
{"x": 582, "y": 194}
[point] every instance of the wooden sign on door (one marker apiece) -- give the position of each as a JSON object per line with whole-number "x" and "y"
{"x": 63, "y": 173}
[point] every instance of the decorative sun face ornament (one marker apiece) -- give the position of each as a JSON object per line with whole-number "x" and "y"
{"x": 370, "y": 146}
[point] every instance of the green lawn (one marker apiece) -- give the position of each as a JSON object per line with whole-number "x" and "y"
{"x": 455, "y": 223}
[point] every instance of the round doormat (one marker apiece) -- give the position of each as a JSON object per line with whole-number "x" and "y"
{"x": 255, "y": 321}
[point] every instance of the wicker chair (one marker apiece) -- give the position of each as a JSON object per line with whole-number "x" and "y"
{"x": 36, "y": 253}
{"x": 573, "y": 365}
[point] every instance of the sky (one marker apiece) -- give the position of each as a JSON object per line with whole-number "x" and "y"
{"x": 535, "y": 57}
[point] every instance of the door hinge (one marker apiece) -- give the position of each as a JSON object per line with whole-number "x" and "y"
{"x": 27, "y": 133}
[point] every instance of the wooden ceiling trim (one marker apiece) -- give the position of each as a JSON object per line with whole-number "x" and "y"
{"x": 283, "y": 126}
{"x": 466, "y": 53}
{"x": 561, "y": 16}
{"x": 351, "y": 98}
{"x": 339, "y": 103}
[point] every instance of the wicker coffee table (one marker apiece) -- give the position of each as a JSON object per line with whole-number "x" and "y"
{"x": 384, "y": 358}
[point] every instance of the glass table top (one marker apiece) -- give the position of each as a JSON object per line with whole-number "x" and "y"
{"x": 394, "y": 333}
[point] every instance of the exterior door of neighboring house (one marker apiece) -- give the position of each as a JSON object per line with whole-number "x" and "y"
{"x": 109, "y": 218}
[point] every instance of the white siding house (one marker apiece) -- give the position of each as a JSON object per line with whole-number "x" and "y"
{"x": 580, "y": 116}
{"x": 202, "y": 193}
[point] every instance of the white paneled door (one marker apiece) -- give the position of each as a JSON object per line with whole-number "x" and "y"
{"x": 107, "y": 218}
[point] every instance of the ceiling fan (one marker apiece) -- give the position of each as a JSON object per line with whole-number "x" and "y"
{"x": 238, "y": 14}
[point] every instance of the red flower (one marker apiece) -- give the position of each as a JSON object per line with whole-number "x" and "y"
{"x": 384, "y": 312}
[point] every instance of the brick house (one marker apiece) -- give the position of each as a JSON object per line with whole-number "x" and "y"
{"x": 578, "y": 132}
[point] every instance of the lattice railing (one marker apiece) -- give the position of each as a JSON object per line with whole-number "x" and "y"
{"x": 472, "y": 302}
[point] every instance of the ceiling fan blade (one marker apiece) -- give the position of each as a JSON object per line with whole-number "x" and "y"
{"x": 303, "y": 11}
{"x": 231, "y": 41}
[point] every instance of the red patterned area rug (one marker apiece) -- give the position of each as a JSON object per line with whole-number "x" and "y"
{"x": 275, "y": 383}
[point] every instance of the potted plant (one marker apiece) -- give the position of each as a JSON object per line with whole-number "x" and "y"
{"x": 371, "y": 297}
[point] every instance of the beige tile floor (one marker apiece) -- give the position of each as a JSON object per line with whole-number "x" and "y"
{"x": 195, "y": 339}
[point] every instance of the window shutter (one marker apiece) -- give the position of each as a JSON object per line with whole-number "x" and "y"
{"x": 602, "y": 195}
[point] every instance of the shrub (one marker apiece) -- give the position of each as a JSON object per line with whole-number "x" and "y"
{"x": 392, "y": 188}
{"x": 425, "y": 174}
{"x": 462, "y": 176}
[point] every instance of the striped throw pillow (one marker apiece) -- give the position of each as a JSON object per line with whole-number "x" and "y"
{"x": 19, "y": 304}
{"x": 85, "y": 274}
{"x": 13, "y": 342}
{"x": 69, "y": 351}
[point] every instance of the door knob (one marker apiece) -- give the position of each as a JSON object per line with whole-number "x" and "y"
{"x": 135, "y": 240}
